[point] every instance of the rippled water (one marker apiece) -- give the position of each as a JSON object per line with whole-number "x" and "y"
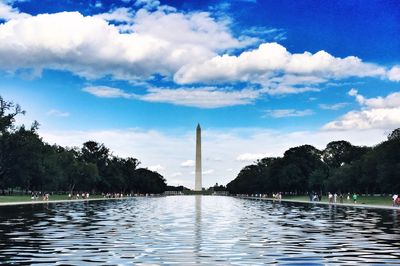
{"x": 188, "y": 230}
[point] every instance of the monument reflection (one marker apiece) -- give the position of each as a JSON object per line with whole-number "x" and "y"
{"x": 197, "y": 229}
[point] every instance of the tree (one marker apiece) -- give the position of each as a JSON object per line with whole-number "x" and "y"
{"x": 337, "y": 153}
{"x": 149, "y": 182}
{"x": 395, "y": 134}
{"x": 96, "y": 153}
{"x": 24, "y": 164}
{"x": 28, "y": 163}
{"x": 8, "y": 112}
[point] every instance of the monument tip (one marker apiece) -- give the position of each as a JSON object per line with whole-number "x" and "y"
{"x": 198, "y": 125}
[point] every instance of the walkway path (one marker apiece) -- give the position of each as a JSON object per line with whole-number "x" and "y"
{"x": 327, "y": 203}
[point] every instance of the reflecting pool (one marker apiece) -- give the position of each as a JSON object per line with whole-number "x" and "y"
{"x": 186, "y": 230}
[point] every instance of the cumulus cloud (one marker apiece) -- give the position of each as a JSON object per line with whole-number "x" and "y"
{"x": 280, "y": 113}
{"x": 121, "y": 14}
{"x": 273, "y": 58}
{"x": 7, "y": 12}
{"x": 158, "y": 42}
{"x": 251, "y": 157}
{"x": 394, "y": 73}
{"x": 379, "y": 112}
{"x": 207, "y": 97}
{"x": 156, "y": 39}
{"x": 390, "y": 101}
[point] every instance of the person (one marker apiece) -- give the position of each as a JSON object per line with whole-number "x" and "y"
{"x": 315, "y": 198}
{"x": 330, "y": 196}
{"x": 348, "y": 197}
{"x": 395, "y": 197}
{"x": 341, "y": 198}
{"x": 355, "y": 198}
{"x": 335, "y": 197}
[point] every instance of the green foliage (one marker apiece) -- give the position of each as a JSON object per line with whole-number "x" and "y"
{"x": 27, "y": 163}
{"x": 340, "y": 167}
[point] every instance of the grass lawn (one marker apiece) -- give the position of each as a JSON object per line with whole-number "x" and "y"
{"x": 17, "y": 198}
{"x": 370, "y": 200}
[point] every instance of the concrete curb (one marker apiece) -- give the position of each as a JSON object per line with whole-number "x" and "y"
{"x": 58, "y": 201}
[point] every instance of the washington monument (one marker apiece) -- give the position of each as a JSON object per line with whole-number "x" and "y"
{"x": 198, "y": 186}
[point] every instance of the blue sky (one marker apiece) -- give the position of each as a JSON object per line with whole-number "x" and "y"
{"x": 259, "y": 76}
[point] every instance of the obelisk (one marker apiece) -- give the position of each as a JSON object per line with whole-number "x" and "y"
{"x": 197, "y": 185}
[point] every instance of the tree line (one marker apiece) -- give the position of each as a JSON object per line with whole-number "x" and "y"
{"x": 27, "y": 163}
{"x": 341, "y": 167}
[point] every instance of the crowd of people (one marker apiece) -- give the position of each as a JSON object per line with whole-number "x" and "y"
{"x": 335, "y": 198}
{"x": 83, "y": 195}
{"x": 39, "y": 195}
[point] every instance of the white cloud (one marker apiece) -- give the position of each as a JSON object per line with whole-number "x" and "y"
{"x": 156, "y": 168}
{"x": 273, "y": 58}
{"x": 390, "y": 101}
{"x": 55, "y": 112}
{"x": 157, "y": 39}
{"x": 121, "y": 14}
{"x": 147, "y": 4}
{"x": 279, "y": 113}
{"x": 207, "y": 97}
{"x": 90, "y": 46}
{"x": 250, "y": 157}
{"x": 107, "y": 92}
{"x": 379, "y": 112}
{"x": 334, "y": 107}
{"x": 394, "y": 73}
{"x": 288, "y": 90}
{"x": 7, "y": 12}
{"x": 188, "y": 163}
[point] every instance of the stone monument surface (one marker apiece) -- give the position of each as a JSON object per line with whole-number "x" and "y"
{"x": 198, "y": 171}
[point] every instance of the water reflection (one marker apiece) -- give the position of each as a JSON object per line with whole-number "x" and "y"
{"x": 191, "y": 230}
{"x": 197, "y": 230}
